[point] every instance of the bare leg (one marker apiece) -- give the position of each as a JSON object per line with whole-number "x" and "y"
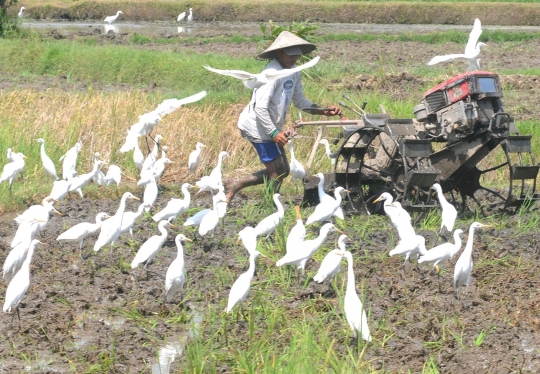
{"x": 275, "y": 170}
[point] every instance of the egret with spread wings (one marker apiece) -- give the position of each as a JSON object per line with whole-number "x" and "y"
{"x": 472, "y": 50}
{"x": 253, "y": 81}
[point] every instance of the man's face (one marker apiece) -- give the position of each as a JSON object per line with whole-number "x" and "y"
{"x": 285, "y": 60}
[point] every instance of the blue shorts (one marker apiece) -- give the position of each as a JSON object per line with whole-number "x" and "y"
{"x": 268, "y": 151}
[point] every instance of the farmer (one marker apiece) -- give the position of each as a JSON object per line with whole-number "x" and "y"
{"x": 261, "y": 122}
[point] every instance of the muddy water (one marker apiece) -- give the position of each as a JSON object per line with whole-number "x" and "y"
{"x": 248, "y": 28}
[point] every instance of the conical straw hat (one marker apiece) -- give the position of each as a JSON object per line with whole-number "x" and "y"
{"x": 286, "y": 39}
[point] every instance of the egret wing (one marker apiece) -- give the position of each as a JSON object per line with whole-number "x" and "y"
{"x": 276, "y": 74}
{"x": 437, "y": 59}
{"x": 473, "y": 38}
{"x": 240, "y": 74}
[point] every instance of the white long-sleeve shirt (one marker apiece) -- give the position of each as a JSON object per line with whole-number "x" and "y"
{"x": 269, "y": 105}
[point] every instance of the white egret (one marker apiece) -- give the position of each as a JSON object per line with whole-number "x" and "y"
{"x": 195, "y": 157}
{"x": 79, "y": 181}
{"x": 325, "y": 210}
{"x": 354, "y": 310}
{"x": 48, "y": 164}
{"x": 176, "y": 272}
{"x": 269, "y": 224}
{"x": 148, "y": 121}
{"x": 110, "y": 228}
{"x": 209, "y": 221}
{"x": 111, "y": 19}
{"x": 138, "y": 156}
{"x": 248, "y": 236}
{"x": 99, "y": 177}
{"x": 332, "y": 261}
{"x": 81, "y": 230}
{"x": 60, "y": 189}
{"x": 221, "y": 201}
{"x": 181, "y": 17}
{"x": 449, "y": 212}
{"x": 18, "y": 254}
{"x": 152, "y": 157}
{"x": 12, "y": 170}
{"x": 69, "y": 163}
{"x": 20, "y": 15}
{"x": 307, "y": 248}
{"x": 196, "y": 219}
{"x": 439, "y": 254}
{"x": 472, "y": 49}
{"x": 190, "y": 17}
{"x": 414, "y": 245}
{"x": 159, "y": 166}
{"x": 151, "y": 247}
{"x": 114, "y": 175}
{"x": 464, "y": 264}
{"x": 150, "y": 194}
{"x": 10, "y": 154}
{"x": 213, "y": 181}
{"x": 175, "y": 207}
{"x": 19, "y": 284}
{"x": 324, "y": 197}
{"x": 297, "y": 170}
{"x": 241, "y": 286}
{"x": 329, "y": 153}
{"x": 253, "y": 81}
{"x": 401, "y": 220}
{"x": 129, "y": 219}
{"x": 36, "y": 213}
{"x": 297, "y": 234}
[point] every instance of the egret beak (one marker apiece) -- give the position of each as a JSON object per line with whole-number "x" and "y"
{"x": 338, "y": 230}
{"x": 41, "y": 243}
{"x": 188, "y": 240}
{"x": 346, "y": 191}
{"x": 238, "y": 240}
{"x": 376, "y": 201}
{"x": 340, "y": 253}
{"x": 57, "y": 212}
{"x": 263, "y": 256}
{"x": 485, "y": 226}
{"x": 136, "y": 198}
{"x": 437, "y": 268}
{"x": 389, "y": 205}
{"x": 171, "y": 225}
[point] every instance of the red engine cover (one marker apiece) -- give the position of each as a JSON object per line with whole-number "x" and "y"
{"x": 461, "y": 89}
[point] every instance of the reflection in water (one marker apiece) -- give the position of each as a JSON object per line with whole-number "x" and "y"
{"x": 181, "y": 29}
{"x": 176, "y": 343}
{"x": 112, "y": 28}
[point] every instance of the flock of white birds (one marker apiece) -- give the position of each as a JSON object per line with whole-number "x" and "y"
{"x": 298, "y": 249}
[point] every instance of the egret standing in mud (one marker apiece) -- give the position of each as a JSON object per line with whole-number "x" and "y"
{"x": 464, "y": 265}
{"x": 111, "y": 228}
{"x": 269, "y": 224}
{"x": 449, "y": 212}
{"x": 176, "y": 272}
{"x": 331, "y": 263}
{"x": 195, "y": 157}
{"x": 82, "y": 230}
{"x": 111, "y": 19}
{"x": 241, "y": 286}
{"x": 151, "y": 247}
{"x": 19, "y": 284}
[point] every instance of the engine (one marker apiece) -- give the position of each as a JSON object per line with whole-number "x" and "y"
{"x": 461, "y": 106}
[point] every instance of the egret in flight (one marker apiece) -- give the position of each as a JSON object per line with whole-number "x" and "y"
{"x": 472, "y": 49}
{"x": 253, "y": 81}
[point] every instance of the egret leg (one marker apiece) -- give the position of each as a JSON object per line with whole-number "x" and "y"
{"x": 355, "y": 341}
{"x": 80, "y": 249}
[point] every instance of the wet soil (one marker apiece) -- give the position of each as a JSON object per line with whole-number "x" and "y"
{"x": 81, "y": 313}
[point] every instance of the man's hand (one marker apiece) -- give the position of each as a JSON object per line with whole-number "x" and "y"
{"x": 280, "y": 139}
{"x": 332, "y": 111}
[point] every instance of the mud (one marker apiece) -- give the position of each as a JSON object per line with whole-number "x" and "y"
{"x": 82, "y": 313}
